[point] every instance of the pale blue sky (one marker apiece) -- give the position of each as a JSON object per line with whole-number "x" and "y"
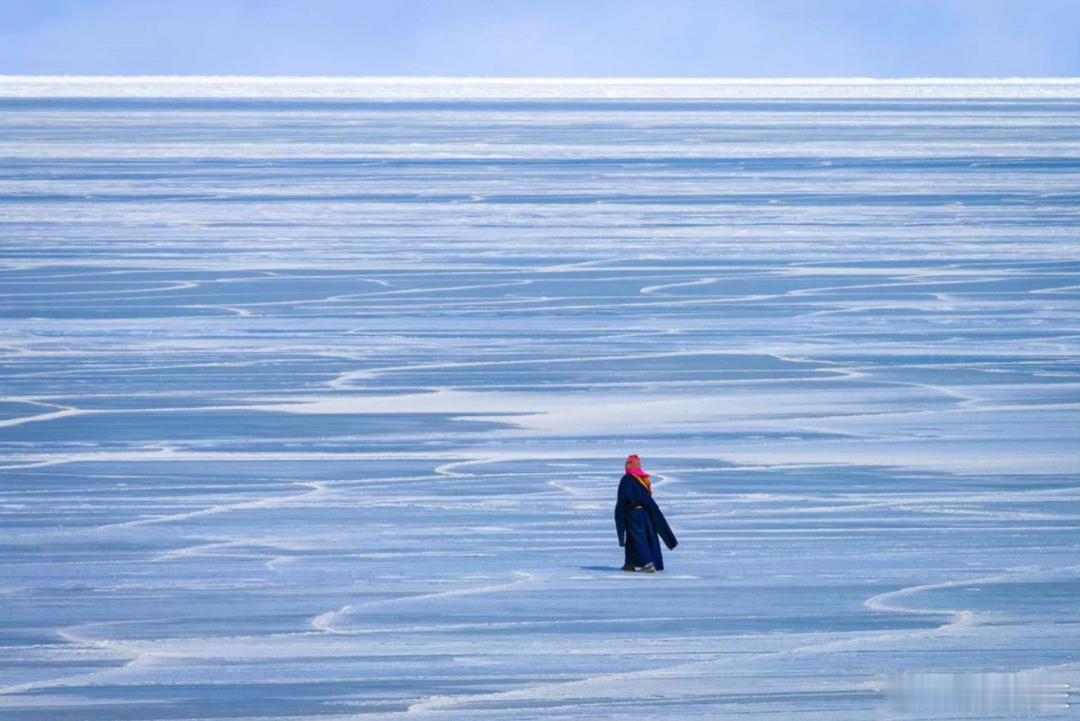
{"x": 725, "y": 38}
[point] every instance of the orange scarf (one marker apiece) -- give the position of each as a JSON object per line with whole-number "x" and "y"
{"x": 633, "y": 468}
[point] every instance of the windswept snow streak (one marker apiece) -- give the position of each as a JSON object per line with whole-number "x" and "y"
{"x": 314, "y": 395}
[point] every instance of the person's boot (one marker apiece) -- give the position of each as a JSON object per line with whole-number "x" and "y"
{"x": 649, "y": 568}
{"x": 628, "y": 567}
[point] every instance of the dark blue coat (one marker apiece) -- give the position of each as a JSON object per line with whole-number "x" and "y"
{"x": 638, "y": 521}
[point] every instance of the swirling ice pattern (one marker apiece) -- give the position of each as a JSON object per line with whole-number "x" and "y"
{"x": 315, "y": 396}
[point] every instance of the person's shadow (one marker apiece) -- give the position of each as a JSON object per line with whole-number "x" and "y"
{"x": 600, "y": 568}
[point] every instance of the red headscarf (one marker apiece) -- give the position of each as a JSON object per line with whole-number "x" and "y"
{"x": 633, "y": 468}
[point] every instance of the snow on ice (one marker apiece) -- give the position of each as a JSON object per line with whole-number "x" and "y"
{"x": 315, "y": 396}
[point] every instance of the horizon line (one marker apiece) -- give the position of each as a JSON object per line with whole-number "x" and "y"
{"x": 374, "y": 88}
{"x": 495, "y": 79}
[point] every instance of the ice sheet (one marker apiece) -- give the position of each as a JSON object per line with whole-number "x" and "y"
{"x": 314, "y": 395}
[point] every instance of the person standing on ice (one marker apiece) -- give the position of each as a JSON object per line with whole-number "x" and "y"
{"x": 638, "y": 521}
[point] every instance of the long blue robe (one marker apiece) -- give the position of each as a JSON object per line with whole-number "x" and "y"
{"x": 638, "y": 521}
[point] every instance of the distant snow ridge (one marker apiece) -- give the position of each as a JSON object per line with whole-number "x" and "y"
{"x": 397, "y": 88}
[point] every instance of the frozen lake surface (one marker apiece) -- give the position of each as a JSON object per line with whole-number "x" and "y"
{"x": 315, "y": 396}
